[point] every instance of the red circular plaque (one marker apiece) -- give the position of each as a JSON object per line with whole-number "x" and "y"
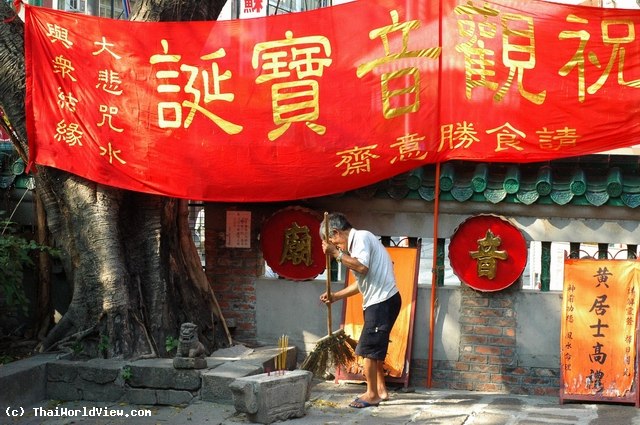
{"x": 291, "y": 244}
{"x": 488, "y": 253}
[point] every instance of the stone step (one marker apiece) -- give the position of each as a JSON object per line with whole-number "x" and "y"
{"x": 147, "y": 381}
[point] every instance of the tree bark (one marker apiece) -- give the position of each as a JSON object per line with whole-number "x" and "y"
{"x": 134, "y": 268}
{"x": 44, "y": 312}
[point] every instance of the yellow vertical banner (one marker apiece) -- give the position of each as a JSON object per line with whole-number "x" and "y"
{"x": 599, "y": 327}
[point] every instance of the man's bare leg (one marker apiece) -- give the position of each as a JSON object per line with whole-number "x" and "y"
{"x": 380, "y": 380}
{"x": 371, "y": 375}
{"x": 383, "y": 393}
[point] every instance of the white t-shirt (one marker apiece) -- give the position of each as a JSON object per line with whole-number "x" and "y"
{"x": 379, "y": 284}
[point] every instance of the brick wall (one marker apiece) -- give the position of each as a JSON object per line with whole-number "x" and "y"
{"x": 232, "y": 271}
{"x": 487, "y": 358}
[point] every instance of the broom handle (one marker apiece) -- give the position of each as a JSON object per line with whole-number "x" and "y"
{"x": 328, "y": 268}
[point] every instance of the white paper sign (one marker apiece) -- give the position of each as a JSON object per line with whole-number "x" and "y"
{"x": 238, "y": 229}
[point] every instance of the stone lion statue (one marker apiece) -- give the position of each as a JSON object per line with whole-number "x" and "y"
{"x": 188, "y": 343}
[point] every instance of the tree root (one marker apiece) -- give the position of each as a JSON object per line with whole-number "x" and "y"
{"x": 152, "y": 345}
{"x": 59, "y": 331}
{"x": 143, "y": 323}
{"x": 66, "y": 343}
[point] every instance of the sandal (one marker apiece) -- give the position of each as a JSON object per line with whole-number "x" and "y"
{"x": 361, "y": 404}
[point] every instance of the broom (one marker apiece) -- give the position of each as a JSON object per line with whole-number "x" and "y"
{"x": 336, "y": 347}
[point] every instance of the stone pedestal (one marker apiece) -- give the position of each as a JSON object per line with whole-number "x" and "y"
{"x": 267, "y": 398}
{"x": 216, "y": 383}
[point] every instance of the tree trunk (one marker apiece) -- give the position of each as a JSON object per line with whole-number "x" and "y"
{"x": 44, "y": 311}
{"x": 135, "y": 271}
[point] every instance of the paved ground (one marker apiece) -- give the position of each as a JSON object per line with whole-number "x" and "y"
{"x": 329, "y": 405}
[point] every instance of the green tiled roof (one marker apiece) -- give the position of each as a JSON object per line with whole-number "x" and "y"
{"x": 594, "y": 180}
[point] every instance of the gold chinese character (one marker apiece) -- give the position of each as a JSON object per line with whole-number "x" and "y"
{"x": 67, "y": 100}
{"x": 112, "y": 153}
{"x": 407, "y": 97}
{"x": 104, "y": 47}
{"x": 518, "y": 49}
{"x": 487, "y": 254}
{"x": 357, "y": 159}
{"x": 460, "y": 136}
{"x": 109, "y": 81}
{"x": 64, "y": 67}
{"x": 555, "y": 140}
{"x": 57, "y": 33}
{"x": 107, "y": 116}
{"x": 409, "y": 148}
{"x": 297, "y": 245}
{"x": 617, "y": 53}
{"x": 507, "y": 137}
{"x": 170, "y": 113}
{"x": 297, "y": 100}
{"x": 68, "y": 133}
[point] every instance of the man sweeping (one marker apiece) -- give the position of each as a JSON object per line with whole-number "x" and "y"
{"x": 362, "y": 253}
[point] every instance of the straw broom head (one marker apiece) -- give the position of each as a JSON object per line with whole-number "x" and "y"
{"x": 335, "y": 349}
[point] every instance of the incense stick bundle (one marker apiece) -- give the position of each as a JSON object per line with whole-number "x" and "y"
{"x": 281, "y": 358}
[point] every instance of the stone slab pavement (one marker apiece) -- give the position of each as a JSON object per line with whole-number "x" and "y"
{"x": 328, "y": 405}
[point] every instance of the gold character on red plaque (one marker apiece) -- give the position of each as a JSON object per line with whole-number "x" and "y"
{"x": 297, "y": 245}
{"x": 487, "y": 254}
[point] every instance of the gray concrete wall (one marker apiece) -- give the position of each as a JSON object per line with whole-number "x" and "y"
{"x": 293, "y": 308}
{"x": 538, "y": 329}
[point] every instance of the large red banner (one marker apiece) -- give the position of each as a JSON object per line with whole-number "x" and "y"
{"x": 308, "y": 104}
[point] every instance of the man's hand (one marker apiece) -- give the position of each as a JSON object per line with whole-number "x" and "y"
{"x": 326, "y": 299}
{"x": 329, "y": 249}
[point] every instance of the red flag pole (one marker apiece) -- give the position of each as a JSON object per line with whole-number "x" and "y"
{"x": 434, "y": 275}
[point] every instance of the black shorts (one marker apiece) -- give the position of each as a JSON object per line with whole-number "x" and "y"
{"x": 378, "y": 321}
